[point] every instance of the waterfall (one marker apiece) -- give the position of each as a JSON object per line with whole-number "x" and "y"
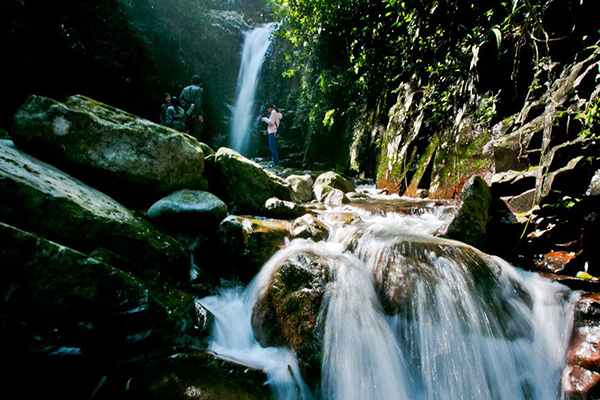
{"x": 410, "y": 316}
{"x": 255, "y": 47}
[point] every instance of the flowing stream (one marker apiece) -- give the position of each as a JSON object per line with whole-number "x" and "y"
{"x": 408, "y": 315}
{"x": 255, "y": 47}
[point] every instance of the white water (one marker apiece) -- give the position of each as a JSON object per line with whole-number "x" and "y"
{"x": 460, "y": 336}
{"x": 255, "y": 47}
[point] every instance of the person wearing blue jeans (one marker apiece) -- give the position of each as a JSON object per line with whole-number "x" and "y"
{"x": 272, "y": 125}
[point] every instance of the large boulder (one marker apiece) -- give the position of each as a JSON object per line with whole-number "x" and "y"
{"x": 120, "y": 153}
{"x": 39, "y": 198}
{"x": 67, "y": 317}
{"x": 189, "y": 210}
{"x": 246, "y": 183}
{"x": 469, "y": 224}
{"x": 244, "y": 244}
{"x": 287, "y": 312}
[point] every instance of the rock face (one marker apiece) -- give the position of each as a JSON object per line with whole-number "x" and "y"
{"x": 69, "y": 317}
{"x": 470, "y": 223}
{"x": 246, "y": 183}
{"x": 245, "y": 244}
{"x": 41, "y": 199}
{"x": 286, "y": 313}
{"x": 120, "y": 153}
{"x": 189, "y": 210}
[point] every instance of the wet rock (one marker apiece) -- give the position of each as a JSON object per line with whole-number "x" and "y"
{"x": 330, "y": 195}
{"x": 69, "y": 317}
{"x": 556, "y": 261}
{"x": 120, "y": 153}
{"x": 301, "y": 186}
{"x": 286, "y": 313}
{"x": 39, "y": 198}
{"x": 183, "y": 374}
{"x": 206, "y": 149}
{"x": 335, "y": 181}
{"x": 579, "y": 383}
{"x": 245, "y": 244}
{"x": 470, "y": 223}
{"x": 190, "y": 210}
{"x": 309, "y": 227}
{"x": 281, "y": 209}
{"x": 246, "y": 183}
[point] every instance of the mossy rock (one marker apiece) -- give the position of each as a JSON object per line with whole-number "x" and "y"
{"x": 334, "y": 180}
{"x": 286, "y": 313}
{"x": 246, "y": 183}
{"x": 245, "y": 244}
{"x": 128, "y": 157}
{"x": 469, "y": 224}
{"x": 70, "y": 317}
{"x": 41, "y": 199}
{"x": 189, "y": 210}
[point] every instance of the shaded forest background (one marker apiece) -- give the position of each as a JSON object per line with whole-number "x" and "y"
{"x": 126, "y": 53}
{"x": 336, "y": 67}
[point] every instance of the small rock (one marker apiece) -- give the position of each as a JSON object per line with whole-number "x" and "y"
{"x": 309, "y": 227}
{"x": 330, "y": 195}
{"x": 282, "y": 209}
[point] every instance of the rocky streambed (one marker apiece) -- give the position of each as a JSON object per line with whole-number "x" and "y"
{"x": 112, "y": 227}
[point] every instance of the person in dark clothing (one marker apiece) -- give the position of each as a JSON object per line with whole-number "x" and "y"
{"x": 191, "y": 101}
{"x": 163, "y": 109}
{"x": 176, "y": 116}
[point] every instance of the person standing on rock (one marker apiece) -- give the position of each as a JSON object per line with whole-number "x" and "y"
{"x": 163, "y": 110}
{"x": 191, "y": 101}
{"x": 176, "y": 116}
{"x": 272, "y": 125}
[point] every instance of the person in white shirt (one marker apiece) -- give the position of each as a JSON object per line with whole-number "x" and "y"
{"x": 272, "y": 125}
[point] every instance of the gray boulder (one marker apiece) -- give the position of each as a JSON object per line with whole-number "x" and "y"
{"x": 334, "y": 180}
{"x": 246, "y": 183}
{"x": 330, "y": 195}
{"x": 39, "y": 198}
{"x": 120, "y": 153}
{"x": 301, "y": 186}
{"x": 189, "y": 209}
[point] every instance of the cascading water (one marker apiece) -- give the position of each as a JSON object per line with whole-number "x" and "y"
{"x": 410, "y": 316}
{"x": 255, "y": 47}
